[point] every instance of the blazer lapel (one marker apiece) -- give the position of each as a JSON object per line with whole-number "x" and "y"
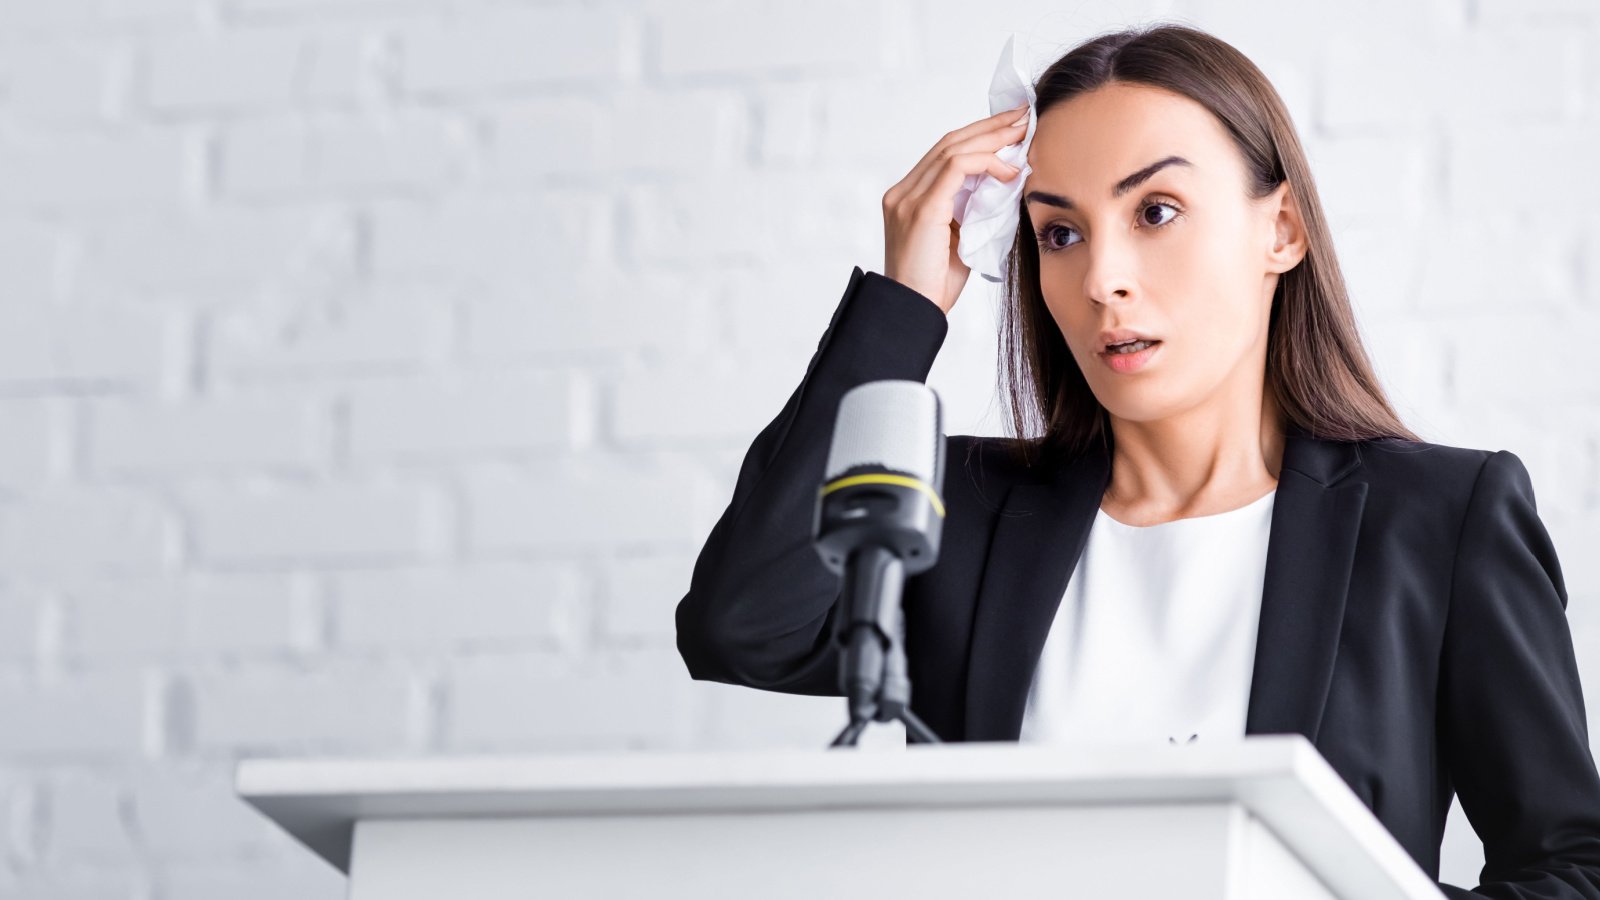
{"x": 1041, "y": 533}
{"x": 1316, "y": 517}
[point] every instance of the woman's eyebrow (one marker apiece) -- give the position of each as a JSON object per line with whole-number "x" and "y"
{"x": 1123, "y": 186}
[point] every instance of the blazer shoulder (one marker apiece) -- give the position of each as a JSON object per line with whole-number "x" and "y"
{"x": 1422, "y": 464}
{"x": 1445, "y": 478}
{"x": 984, "y": 466}
{"x": 986, "y": 458}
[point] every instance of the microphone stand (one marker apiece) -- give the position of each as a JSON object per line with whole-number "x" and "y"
{"x": 871, "y": 633}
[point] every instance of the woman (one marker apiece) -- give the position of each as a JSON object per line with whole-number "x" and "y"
{"x": 1228, "y": 532}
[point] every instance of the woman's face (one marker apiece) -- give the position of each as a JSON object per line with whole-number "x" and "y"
{"x": 1182, "y": 255}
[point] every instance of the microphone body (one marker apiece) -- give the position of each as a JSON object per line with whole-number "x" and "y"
{"x": 879, "y": 517}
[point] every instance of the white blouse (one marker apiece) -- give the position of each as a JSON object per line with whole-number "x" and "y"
{"x": 1155, "y": 637}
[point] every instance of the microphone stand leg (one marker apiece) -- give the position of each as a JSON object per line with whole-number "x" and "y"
{"x": 850, "y": 734}
{"x": 916, "y": 731}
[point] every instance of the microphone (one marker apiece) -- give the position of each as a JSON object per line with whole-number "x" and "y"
{"x": 878, "y": 518}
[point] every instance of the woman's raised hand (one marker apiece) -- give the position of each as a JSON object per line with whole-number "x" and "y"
{"x": 920, "y": 232}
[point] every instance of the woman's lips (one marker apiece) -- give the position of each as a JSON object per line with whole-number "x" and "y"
{"x": 1124, "y": 363}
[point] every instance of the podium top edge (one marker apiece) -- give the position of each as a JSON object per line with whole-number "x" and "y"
{"x": 972, "y": 762}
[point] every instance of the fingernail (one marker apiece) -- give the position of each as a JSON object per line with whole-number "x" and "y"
{"x": 1019, "y": 122}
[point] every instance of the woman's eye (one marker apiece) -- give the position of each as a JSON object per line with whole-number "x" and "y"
{"x": 1156, "y": 205}
{"x": 1044, "y": 234}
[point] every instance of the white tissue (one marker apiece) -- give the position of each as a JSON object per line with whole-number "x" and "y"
{"x": 986, "y": 207}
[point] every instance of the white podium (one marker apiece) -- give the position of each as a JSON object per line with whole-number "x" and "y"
{"x": 1263, "y": 817}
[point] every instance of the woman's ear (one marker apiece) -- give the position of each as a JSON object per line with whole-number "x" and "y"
{"x": 1288, "y": 230}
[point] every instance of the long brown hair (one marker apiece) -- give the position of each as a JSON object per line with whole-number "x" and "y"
{"x": 1316, "y": 367}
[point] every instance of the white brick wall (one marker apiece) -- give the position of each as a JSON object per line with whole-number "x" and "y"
{"x": 371, "y": 371}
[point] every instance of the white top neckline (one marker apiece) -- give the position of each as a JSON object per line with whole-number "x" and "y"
{"x": 1198, "y": 519}
{"x": 1154, "y": 637}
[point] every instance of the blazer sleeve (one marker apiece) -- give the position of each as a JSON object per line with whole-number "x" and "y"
{"x": 1514, "y": 733}
{"x": 761, "y": 605}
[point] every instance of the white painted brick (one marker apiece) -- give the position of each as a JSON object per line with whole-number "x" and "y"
{"x": 227, "y": 432}
{"x": 343, "y": 65}
{"x": 264, "y": 158}
{"x": 322, "y": 522}
{"x": 1532, "y": 73}
{"x": 20, "y": 19}
{"x": 196, "y": 196}
{"x": 578, "y": 313}
{"x": 642, "y": 705}
{"x": 319, "y": 8}
{"x": 185, "y": 810}
{"x": 83, "y": 529}
{"x": 1368, "y": 81}
{"x": 87, "y": 820}
{"x": 249, "y": 614}
{"x": 769, "y": 720}
{"x": 1404, "y": 80}
{"x": 591, "y": 501}
{"x": 226, "y": 252}
{"x": 520, "y": 153}
{"x": 123, "y": 621}
{"x": 1492, "y": 364}
{"x": 345, "y": 707}
{"x": 304, "y": 879}
{"x": 232, "y": 71}
{"x": 1481, "y": 163}
{"x": 98, "y": 715}
{"x": 151, "y": 12}
{"x": 109, "y": 344}
{"x": 787, "y": 131}
{"x": 493, "y": 240}
{"x": 824, "y": 213}
{"x": 83, "y": 885}
{"x": 22, "y": 629}
{"x": 1500, "y": 12}
{"x": 1261, "y": 37}
{"x": 30, "y": 256}
{"x": 137, "y": 620}
{"x": 413, "y": 152}
{"x": 16, "y": 835}
{"x": 724, "y": 37}
{"x": 642, "y": 595}
{"x": 395, "y": 328}
{"x": 908, "y": 113}
{"x": 701, "y": 130}
{"x": 1295, "y": 79}
{"x": 1455, "y": 274}
{"x": 716, "y": 399}
{"x": 1412, "y": 364}
{"x": 57, "y": 84}
{"x": 494, "y": 606}
{"x": 33, "y": 440}
{"x": 780, "y": 312}
{"x": 94, "y": 172}
{"x": 1351, "y": 195}
{"x": 1380, "y": 266}
{"x": 514, "y": 49}
{"x": 466, "y": 414}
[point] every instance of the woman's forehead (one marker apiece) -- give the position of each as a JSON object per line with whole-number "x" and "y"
{"x": 1100, "y": 145}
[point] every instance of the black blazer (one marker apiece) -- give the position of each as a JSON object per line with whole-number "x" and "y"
{"x": 1413, "y": 620}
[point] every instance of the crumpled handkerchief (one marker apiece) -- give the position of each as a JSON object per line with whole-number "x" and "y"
{"x": 986, "y": 207}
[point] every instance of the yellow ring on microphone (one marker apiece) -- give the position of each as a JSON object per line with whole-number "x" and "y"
{"x": 902, "y": 480}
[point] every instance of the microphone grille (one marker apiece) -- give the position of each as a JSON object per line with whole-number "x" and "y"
{"x": 892, "y": 423}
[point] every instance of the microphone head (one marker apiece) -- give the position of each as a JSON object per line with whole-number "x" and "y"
{"x": 895, "y": 424}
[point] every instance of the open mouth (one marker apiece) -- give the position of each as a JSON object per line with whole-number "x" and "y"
{"x": 1129, "y": 347}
